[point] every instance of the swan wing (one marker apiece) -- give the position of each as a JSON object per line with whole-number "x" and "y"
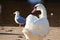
{"x": 43, "y": 24}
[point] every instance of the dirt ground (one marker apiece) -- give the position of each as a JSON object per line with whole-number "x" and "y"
{"x": 14, "y": 33}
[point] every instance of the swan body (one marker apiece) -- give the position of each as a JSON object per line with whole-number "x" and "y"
{"x": 36, "y": 28}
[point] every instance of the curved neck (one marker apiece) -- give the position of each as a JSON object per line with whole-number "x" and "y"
{"x": 43, "y": 13}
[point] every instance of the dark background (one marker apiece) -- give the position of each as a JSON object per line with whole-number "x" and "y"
{"x": 9, "y": 6}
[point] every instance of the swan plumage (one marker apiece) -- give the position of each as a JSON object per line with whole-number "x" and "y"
{"x": 36, "y": 26}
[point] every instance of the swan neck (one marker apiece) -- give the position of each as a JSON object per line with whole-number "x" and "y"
{"x": 43, "y": 13}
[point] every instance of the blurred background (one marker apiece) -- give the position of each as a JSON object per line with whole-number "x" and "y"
{"x": 7, "y": 7}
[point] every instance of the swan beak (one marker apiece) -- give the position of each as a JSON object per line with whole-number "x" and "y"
{"x": 33, "y": 10}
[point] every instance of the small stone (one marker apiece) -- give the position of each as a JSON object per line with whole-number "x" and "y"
{"x": 48, "y": 39}
{"x": 20, "y": 37}
{"x": 9, "y": 30}
{"x": 2, "y": 28}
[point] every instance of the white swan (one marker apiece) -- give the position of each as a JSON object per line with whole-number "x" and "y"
{"x": 36, "y": 28}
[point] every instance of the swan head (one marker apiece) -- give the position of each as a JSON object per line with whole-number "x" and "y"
{"x": 16, "y": 13}
{"x": 38, "y": 7}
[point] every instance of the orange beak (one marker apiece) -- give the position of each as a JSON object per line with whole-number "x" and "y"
{"x": 33, "y": 10}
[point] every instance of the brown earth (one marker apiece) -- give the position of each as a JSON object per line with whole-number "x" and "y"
{"x": 14, "y": 33}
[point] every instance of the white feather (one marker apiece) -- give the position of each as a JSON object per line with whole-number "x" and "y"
{"x": 37, "y": 26}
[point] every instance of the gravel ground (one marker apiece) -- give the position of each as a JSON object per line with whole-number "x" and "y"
{"x": 14, "y": 33}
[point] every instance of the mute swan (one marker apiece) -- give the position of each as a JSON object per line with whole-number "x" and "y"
{"x": 36, "y": 28}
{"x": 19, "y": 19}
